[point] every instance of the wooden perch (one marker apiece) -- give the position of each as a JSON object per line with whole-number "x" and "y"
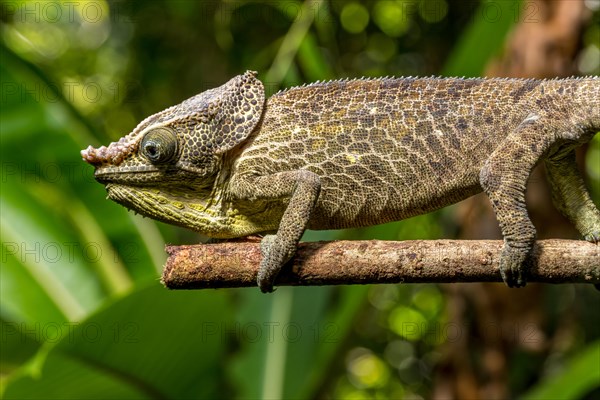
{"x": 235, "y": 264}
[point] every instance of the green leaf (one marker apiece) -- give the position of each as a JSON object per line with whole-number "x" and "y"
{"x": 312, "y": 61}
{"x": 153, "y": 343}
{"x": 483, "y": 38}
{"x": 289, "y": 340}
{"x": 65, "y": 248}
{"x": 581, "y": 375}
{"x": 17, "y": 347}
{"x": 70, "y": 378}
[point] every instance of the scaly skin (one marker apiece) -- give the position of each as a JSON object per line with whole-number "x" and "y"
{"x": 354, "y": 153}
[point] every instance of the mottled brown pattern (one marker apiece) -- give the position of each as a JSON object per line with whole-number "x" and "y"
{"x": 354, "y": 153}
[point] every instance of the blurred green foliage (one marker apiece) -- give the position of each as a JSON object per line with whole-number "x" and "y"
{"x": 81, "y": 311}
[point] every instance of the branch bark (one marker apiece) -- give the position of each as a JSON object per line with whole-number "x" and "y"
{"x": 235, "y": 264}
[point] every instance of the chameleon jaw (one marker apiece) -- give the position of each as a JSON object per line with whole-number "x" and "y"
{"x": 202, "y": 215}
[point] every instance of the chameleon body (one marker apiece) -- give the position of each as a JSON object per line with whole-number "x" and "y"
{"x": 350, "y": 153}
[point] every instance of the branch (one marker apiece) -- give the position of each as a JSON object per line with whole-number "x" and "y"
{"x": 235, "y": 264}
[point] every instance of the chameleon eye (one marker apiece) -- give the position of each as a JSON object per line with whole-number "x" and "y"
{"x": 159, "y": 145}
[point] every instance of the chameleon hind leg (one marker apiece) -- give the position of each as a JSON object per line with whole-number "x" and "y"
{"x": 570, "y": 195}
{"x": 504, "y": 180}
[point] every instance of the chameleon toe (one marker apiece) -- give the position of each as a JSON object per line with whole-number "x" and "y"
{"x": 593, "y": 237}
{"x": 513, "y": 267}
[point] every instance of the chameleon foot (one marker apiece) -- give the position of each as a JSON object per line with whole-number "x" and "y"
{"x": 269, "y": 268}
{"x": 513, "y": 266}
{"x": 593, "y": 237}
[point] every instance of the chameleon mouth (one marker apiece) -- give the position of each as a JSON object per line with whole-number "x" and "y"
{"x": 138, "y": 174}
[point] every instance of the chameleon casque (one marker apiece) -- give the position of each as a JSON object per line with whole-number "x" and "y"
{"x": 348, "y": 153}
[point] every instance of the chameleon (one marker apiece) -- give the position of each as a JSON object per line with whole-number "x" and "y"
{"x": 231, "y": 163}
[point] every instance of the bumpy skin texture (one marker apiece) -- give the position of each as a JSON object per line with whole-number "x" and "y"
{"x": 354, "y": 153}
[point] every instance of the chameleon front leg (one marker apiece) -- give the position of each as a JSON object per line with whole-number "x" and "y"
{"x": 570, "y": 195}
{"x": 504, "y": 179}
{"x": 302, "y": 188}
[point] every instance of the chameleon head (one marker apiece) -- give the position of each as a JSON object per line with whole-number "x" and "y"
{"x": 179, "y": 148}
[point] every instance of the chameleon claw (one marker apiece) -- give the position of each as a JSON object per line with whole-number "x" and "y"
{"x": 513, "y": 267}
{"x": 593, "y": 237}
{"x": 265, "y": 280}
{"x": 268, "y": 271}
